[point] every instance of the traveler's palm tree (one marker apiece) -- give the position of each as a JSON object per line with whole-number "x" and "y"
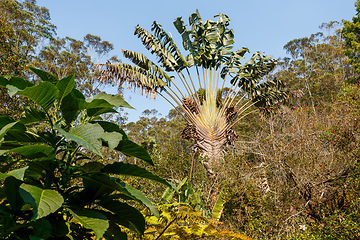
{"x": 210, "y": 116}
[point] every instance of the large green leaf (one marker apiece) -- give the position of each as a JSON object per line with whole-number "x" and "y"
{"x": 125, "y": 215}
{"x": 33, "y": 115}
{"x": 41, "y": 170}
{"x": 111, "y": 127}
{"x": 112, "y": 138}
{"x": 43, "y": 94}
{"x": 5, "y": 120}
{"x": 132, "y": 149}
{"x": 32, "y": 151}
{"x": 45, "y": 76}
{"x": 43, "y": 201}
{"x": 114, "y": 232}
{"x": 71, "y": 105}
{"x": 218, "y": 207}
{"x": 14, "y": 84}
{"x": 126, "y": 146}
{"x": 115, "y": 100}
{"x": 143, "y": 199}
{"x": 12, "y": 185}
{"x": 18, "y": 173}
{"x": 15, "y": 135}
{"x": 91, "y": 220}
{"x": 92, "y": 167}
{"x": 65, "y": 86}
{"x": 6, "y": 128}
{"x": 60, "y": 228}
{"x": 133, "y": 170}
{"x": 99, "y": 184}
{"x": 42, "y": 230}
{"x": 98, "y": 106}
{"x": 104, "y": 183}
{"x": 95, "y": 187}
{"x": 87, "y": 135}
{"x": 10, "y": 129}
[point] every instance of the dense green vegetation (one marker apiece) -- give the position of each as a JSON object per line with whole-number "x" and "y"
{"x": 71, "y": 167}
{"x": 56, "y": 183}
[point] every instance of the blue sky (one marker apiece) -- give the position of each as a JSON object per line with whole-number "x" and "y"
{"x": 260, "y": 25}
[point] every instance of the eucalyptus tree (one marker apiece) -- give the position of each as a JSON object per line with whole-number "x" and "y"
{"x": 193, "y": 84}
{"x": 65, "y": 56}
{"x": 350, "y": 33}
{"x": 23, "y": 27}
{"x": 318, "y": 67}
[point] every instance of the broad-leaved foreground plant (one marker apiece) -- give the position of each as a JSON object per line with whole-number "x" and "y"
{"x": 201, "y": 78}
{"x": 54, "y": 183}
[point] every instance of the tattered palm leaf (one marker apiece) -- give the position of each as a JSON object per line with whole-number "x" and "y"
{"x": 143, "y": 62}
{"x": 268, "y": 95}
{"x": 152, "y": 43}
{"x": 136, "y": 77}
{"x": 253, "y": 70}
{"x": 168, "y": 43}
{"x": 233, "y": 64}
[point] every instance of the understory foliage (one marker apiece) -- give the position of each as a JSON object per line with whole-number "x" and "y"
{"x": 299, "y": 179}
{"x": 295, "y": 175}
{"x": 182, "y": 216}
{"x": 55, "y": 181}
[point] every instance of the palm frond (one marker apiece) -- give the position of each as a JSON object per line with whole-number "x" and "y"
{"x": 233, "y": 64}
{"x": 143, "y": 62}
{"x": 168, "y": 43}
{"x": 187, "y": 44}
{"x": 137, "y": 78}
{"x": 268, "y": 94}
{"x": 253, "y": 70}
{"x": 152, "y": 43}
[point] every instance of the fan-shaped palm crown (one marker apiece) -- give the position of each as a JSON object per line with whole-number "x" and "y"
{"x": 209, "y": 115}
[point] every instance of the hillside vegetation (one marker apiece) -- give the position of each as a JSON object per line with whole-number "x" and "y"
{"x": 284, "y": 163}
